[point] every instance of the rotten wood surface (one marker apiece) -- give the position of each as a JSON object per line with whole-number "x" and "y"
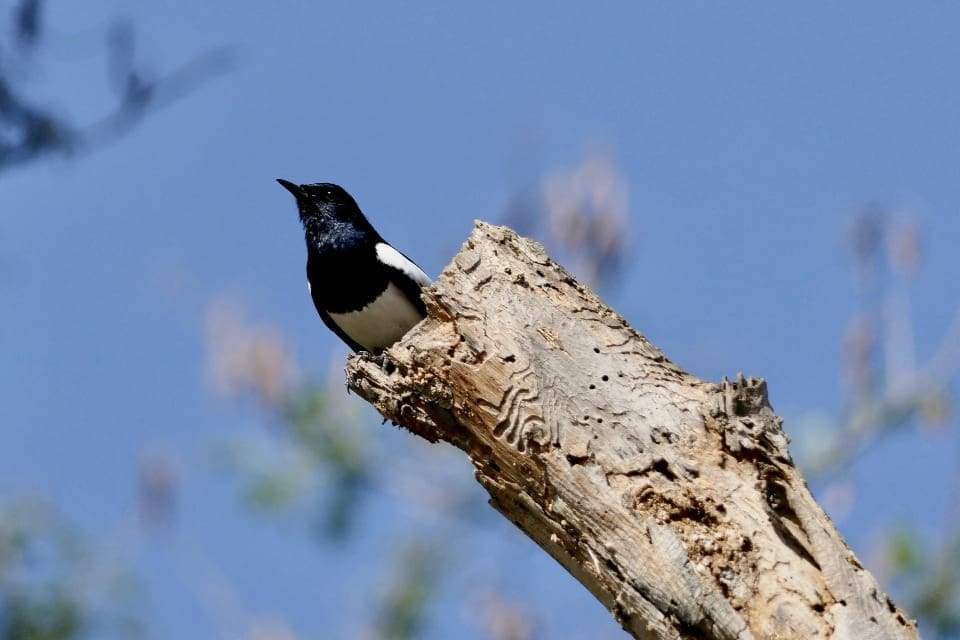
{"x": 672, "y": 499}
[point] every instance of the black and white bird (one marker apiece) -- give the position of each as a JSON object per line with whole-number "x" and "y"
{"x": 365, "y": 291}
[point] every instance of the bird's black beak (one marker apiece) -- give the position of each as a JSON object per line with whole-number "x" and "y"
{"x": 289, "y": 186}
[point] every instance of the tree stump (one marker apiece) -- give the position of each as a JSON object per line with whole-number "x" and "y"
{"x": 672, "y": 499}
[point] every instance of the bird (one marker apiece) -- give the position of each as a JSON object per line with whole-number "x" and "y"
{"x": 365, "y": 291}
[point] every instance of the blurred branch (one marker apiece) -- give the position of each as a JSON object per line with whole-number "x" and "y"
{"x": 887, "y": 388}
{"x": 27, "y": 22}
{"x": 141, "y": 94}
{"x": 29, "y": 131}
{"x": 584, "y": 214}
{"x": 890, "y": 388}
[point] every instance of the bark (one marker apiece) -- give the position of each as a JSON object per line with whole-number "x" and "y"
{"x": 672, "y": 499}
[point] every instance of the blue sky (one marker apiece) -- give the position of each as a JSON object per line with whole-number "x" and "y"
{"x": 748, "y": 135}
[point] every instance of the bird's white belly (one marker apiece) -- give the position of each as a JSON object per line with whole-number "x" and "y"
{"x": 382, "y": 322}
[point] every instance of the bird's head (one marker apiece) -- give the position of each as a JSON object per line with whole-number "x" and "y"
{"x": 328, "y": 212}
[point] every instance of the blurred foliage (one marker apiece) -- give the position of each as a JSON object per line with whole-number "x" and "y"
{"x": 54, "y": 585}
{"x": 501, "y": 619}
{"x": 342, "y": 452}
{"x": 887, "y": 388}
{"x": 314, "y": 460}
{"x": 30, "y": 130}
{"x": 403, "y": 609}
{"x": 318, "y": 452}
{"x": 890, "y": 389}
{"x": 157, "y": 485}
{"x": 582, "y": 216}
{"x": 929, "y": 577}
{"x": 54, "y": 582}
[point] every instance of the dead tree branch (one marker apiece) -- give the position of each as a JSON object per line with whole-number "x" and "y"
{"x": 673, "y": 500}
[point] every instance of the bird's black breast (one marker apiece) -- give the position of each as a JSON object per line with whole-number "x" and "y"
{"x": 344, "y": 281}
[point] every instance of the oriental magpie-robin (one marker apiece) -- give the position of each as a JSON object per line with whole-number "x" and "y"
{"x": 365, "y": 291}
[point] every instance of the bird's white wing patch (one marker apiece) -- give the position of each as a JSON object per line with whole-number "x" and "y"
{"x": 390, "y": 256}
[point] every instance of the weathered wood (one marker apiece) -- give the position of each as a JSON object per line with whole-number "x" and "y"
{"x": 673, "y": 500}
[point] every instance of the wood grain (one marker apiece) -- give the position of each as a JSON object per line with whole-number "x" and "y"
{"x": 673, "y": 500}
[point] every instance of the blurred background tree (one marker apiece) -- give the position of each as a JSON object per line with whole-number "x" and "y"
{"x": 56, "y": 583}
{"x": 31, "y": 129}
{"x": 175, "y": 226}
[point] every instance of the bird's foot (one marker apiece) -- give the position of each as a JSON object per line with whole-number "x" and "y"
{"x": 382, "y": 359}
